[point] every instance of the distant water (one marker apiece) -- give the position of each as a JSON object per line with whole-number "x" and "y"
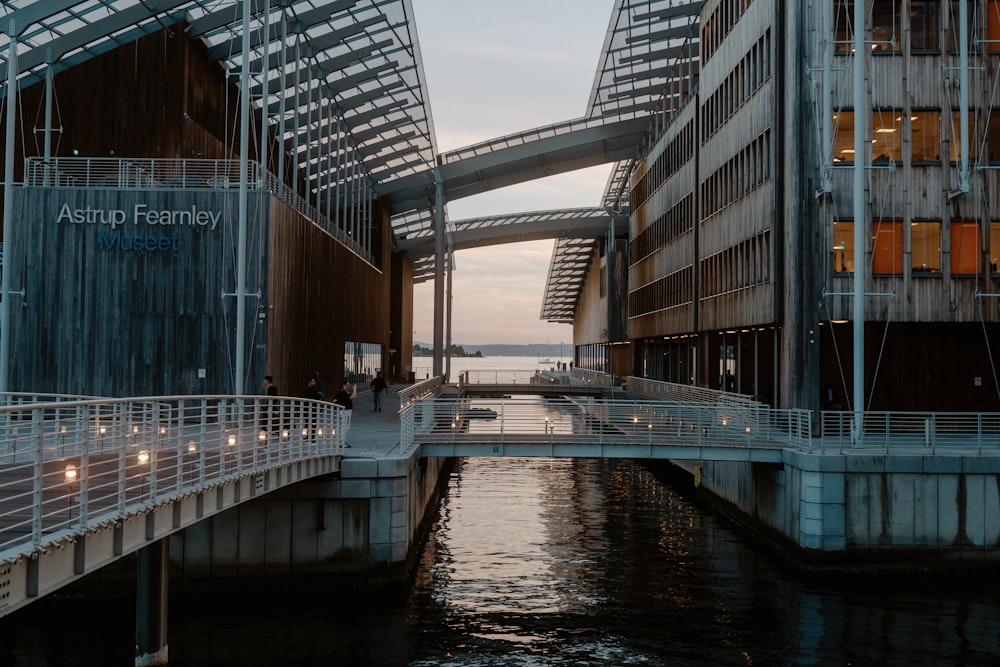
{"x": 423, "y": 365}
{"x": 540, "y": 562}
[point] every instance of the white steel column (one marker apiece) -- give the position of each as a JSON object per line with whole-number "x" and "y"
{"x": 826, "y": 122}
{"x": 241, "y": 260}
{"x": 963, "y": 91}
{"x": 309, "y": 82}
{"x": 283, "y": 58}
{"x": 8, "y": 207}
{"x": 860, "y": 269}
{"x": 438, "y": 271}
{"x": 297, "y": 126}
{"x": 264, "y": 64}
{"x": 49, "y": 85}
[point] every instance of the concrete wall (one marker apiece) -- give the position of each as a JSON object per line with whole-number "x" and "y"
{"x": 365, "y": 522}
{"x": 867, "y": 510}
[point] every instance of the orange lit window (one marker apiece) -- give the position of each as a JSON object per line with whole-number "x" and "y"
{"x": 925, "y": 238}
{"x": 956, "y": 135}
{"x": 995, "y": 246}
{"x": 993, "y": 24}
{"x": 925, "y": 127}
{"x": 964, "y": 248}
{"x": 886, "y": 124}
{"x": 887, "y": 246}
{"x": 843, "y": 246}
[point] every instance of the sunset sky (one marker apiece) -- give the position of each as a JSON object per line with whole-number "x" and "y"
{"x": 492, "y": 69}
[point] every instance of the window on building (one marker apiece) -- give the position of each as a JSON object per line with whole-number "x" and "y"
{"x": 926, "y": 240}
{"x": 953, "y": 24}
{"x": 956, "y": 136}
{"x": 843, "y": 246}
{"x": 887, "y": 247}
{"x": 886, "y": 136}
{"x": 925, "y": 20}
{"x": 843, "y": 136}
{"x": 925, "y": 129}
{"x": 885, "y": 26}
{"x": 964, "y": 247}
{"x": 995, "y": 247}
{"x": 843, "y": 26}
{"x": 993, "y": 25}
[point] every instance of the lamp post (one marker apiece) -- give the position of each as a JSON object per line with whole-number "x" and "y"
{"x": 561, "y": 350}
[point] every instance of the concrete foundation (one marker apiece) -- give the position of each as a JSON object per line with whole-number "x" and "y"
{"x": 863, "y": 511}
{"x": 365, "y": 522}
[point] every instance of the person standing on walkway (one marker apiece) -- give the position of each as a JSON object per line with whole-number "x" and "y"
{"x": 267, "y": 417}
{"x": 319, "y": 384}
{"x": 312, "y": 392}
{"x": 378, "y": 386}
{"x": 345, "y": 399}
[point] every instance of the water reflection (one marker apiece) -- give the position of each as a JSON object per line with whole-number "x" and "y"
{"x": 552, "y": 562}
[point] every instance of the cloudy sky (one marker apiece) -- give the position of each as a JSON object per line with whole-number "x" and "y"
{"x": 495, "y": 68}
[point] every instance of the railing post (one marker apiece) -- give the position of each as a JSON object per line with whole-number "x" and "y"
{"x": 38, "y": 484}
{"x": 83, "y": 476}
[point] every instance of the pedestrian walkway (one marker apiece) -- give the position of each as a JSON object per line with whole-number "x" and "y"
{"x": 375, "y": 434}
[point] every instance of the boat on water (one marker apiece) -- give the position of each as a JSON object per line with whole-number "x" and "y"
{"x": 546, "y": 362}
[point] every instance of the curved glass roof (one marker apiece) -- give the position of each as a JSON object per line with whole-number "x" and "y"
{"x": 358, "y": 57}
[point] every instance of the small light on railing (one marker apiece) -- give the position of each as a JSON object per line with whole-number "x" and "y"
{"x": 232, "y": 440}
{"x": 747, "y": 429}
{"x": 725, "y": 422}
{"x": 192, "y": 447}
{"x": 262, "y": 435}
{"x": 285, "y": 433}
{"x": 102, "y": 430}
{"x": 163, "y": 430}
{"x": 319, "y": 432}
{"x": 62, "y": 429}
{"x": 143, "y": 457}
{"x": 305, "y": 432}
{"x": 649, "y": 426}
{"x": 135, "y": 429}
{"x": 70, "y": 472}
{"x": 635, "y": 420}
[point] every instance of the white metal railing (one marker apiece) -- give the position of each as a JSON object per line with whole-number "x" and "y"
{"x": 599, "y": 421}
{"x": 671, "y": 391}
{"x": 101, "y": 172}
{"x": 964, "y": 433}
{"x": 75, "y": 465}
{"x": 595, "y": 378}
{"x": 499, "y": 377}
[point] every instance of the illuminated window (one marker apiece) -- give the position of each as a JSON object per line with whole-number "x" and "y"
{"x": 956, "y": 135}
{"x": 964, "y": 247}
{"x": 843, "y": 246}
{"x": 886, "y": 144}
{"x": 926, "y": 239}
{"x": 887, "y": 246}
{"x": 926, "y": 132}
{"x": 995, "y": 246}
{"x": 993, "y": 24}
{"x": 843, "y": 136}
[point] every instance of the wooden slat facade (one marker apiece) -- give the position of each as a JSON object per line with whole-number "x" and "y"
{"x": 119, "y": 323}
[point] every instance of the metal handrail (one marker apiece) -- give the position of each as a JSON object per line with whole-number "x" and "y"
{"x": 71, "y": 466}
{"x": 600, "y": 421}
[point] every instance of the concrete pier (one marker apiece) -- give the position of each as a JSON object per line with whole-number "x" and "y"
{"x": 362, "y": 522}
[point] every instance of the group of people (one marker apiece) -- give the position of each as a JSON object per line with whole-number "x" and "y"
{"x": 344, "y": 397}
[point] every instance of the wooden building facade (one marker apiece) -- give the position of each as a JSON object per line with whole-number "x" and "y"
{"x": 741, "y": 260}
{"x": 128, "y": 287}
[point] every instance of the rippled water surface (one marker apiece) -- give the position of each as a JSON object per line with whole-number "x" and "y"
{"x": 554, "y": 562}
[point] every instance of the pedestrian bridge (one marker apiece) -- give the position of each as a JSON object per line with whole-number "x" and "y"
{"x": 86, "y": 481}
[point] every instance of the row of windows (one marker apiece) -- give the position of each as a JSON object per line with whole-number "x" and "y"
{"x": 743, "y": 265}
{"x": 678, "y": 220}
{"x": 889, "y": 243}
{"x": 749, "y": 74}
{"x": 744, "y": 172}
{"x": 720, "y": 24}
{"x": 677, "y": 153}
{"x": 889, "y": 20}
{"x": 926, "y": 136}
{"x": 666, "y": 292}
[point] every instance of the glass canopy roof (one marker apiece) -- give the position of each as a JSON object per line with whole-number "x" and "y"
{"x": 361, "y": 55}
{"x": 364, "y": 58}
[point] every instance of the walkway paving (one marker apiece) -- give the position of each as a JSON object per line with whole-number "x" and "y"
{"x": 375, "y": 434}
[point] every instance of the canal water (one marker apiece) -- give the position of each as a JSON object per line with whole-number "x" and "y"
{"x": 553, "y": 562}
